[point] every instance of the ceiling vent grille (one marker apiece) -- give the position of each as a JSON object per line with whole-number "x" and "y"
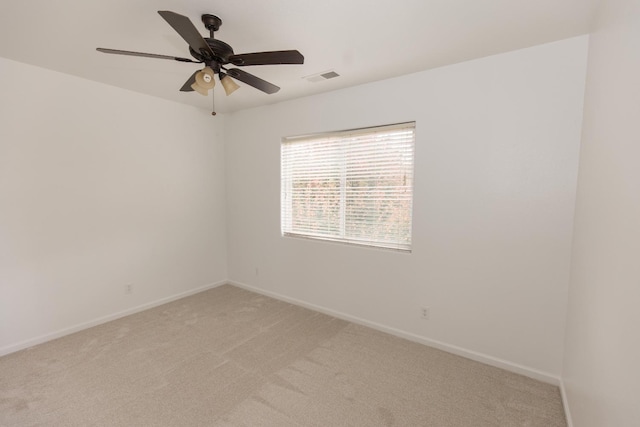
{"x": 325, "y": 75}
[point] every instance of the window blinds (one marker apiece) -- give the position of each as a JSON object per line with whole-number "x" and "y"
{"x": 350, "y": 186}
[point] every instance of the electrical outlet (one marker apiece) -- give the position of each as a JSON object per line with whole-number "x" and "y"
{"x": 128, "y": 289}
{"x": 424, "y": 313}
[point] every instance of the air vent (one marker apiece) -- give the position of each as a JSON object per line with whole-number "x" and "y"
{"x": 325, "y": 75}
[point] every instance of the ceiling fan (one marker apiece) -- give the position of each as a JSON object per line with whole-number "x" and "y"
{"x": 216, "y": 54}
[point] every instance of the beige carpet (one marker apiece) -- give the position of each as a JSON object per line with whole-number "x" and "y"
{"x": 229, "y": 357}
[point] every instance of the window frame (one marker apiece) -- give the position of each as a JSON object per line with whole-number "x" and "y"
{"x": 286, "y": 185}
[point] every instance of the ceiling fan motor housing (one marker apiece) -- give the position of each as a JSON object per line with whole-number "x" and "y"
{"x": 221, "y": 51}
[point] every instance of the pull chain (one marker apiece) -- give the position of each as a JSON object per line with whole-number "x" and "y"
{"x": 213, "y": 101}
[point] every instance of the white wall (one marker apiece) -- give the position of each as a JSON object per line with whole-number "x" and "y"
{"x": 496, "y": 167}
{"x": 601, "y": 367}
{"x": 101, "y": 187}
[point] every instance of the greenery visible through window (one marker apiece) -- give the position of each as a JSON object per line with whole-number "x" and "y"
{"x": 350, "y": 186}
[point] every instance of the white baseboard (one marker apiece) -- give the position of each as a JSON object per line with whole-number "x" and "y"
{"x": 470, "y": 354}
{"x": 100, "y": 320}
{"x": 459, "y": 351}
{"x": 565, "y": 404}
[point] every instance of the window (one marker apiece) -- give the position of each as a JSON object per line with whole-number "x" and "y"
{"x": 351, "y": 186}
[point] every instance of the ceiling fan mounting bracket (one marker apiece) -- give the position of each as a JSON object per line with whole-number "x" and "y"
{"x": 211, "y": 22}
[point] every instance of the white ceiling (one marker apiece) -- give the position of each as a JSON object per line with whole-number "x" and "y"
{"x": 362, "y": 40}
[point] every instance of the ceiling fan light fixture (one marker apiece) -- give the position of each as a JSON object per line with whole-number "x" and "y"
{"x": 205, "y": 78}
{"x": 202, "y": 91}
{"x": 228, "y": 84}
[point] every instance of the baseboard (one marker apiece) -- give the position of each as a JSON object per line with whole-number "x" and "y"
{"x": 100, "y": 320}
{"x": 565, "y": 404}
{"x": 470, "y": 354}
{"x": 459, "y": 351}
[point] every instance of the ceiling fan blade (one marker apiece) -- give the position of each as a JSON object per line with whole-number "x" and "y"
{"x": 267, "y": 58}
{"x": 146, "y": 55}
{"x": 187, "y": 85}
{"x": 188, "y": 32}
{"x": 252, "y": 80}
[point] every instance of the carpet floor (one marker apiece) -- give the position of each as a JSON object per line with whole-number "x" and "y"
{"x": 230, "y": 357}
